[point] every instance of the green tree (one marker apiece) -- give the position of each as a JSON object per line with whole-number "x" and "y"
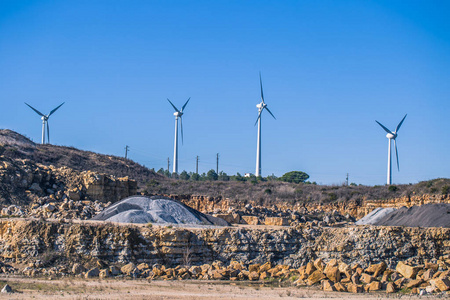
{"x": 160, "y": 171}
{"x": 223, "y": 176}
{"x": 212, "y": 175}
{"x": 195, "y": 177}
{"x": 294, "y": 176}
{"x": 184, "y": 175}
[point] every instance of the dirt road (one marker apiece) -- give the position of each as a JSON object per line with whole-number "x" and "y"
{"x": 76, "y": 288}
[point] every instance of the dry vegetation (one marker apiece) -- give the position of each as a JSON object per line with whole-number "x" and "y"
{"x": 266, "y": 191}
{"x": 273, "y": 192}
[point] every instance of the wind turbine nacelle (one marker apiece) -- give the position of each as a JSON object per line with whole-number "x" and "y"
{"x": 177, "y": 114}
{"x": 259, "y": 105}
{"x": 391, "y": 136}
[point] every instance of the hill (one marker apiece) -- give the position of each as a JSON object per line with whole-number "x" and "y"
{"x": 15, "y": 146}
{"x": 237, "y": 190}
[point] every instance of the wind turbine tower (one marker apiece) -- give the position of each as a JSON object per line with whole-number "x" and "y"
{"x": 261, "y": 106}
{"x": 44, "y": 119}
{"x": 391, "y": 136}
{"x": 178, "y": 114}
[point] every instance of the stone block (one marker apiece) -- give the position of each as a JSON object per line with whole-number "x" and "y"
{"x": 276, "y": 221}
{"x": 251, "y": 220}
{"x": 315, "y": 277}
{"x": 406, "y": 270}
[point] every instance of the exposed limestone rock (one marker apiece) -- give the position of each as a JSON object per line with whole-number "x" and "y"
{"x": 406, "y": 271}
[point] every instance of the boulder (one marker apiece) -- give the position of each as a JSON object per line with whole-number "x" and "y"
{"x": 354, "y": 288}
{"x": 414, "y": 283}
{"x": 374, "y": 286}
{"x": 310, "y": 268}
{"x": 366, "y": 278}
{"x": 390, "y": 287}
{"x": 265, "y": 267}
{"x": 441, "y": 283}
{"x": 406, "y": 270}
{"x": 376, "y": 269}
{"x": 328, "y": 286}
{"x": 92, "y": 273}
{"x": 319, "y": 264}
{"x": 251, "y": 220}
{"x": 276, "y": 221}
{"x": 315, "y": 277}
{"x": 253, "y": 276}
{"x": 428, "y": 274}
{"x": 254, "y": 268}
{"x": 332, "y": 273}
{"x": 340, "y": 287}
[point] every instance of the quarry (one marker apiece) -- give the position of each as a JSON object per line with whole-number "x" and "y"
{"x": 61, "y": 223}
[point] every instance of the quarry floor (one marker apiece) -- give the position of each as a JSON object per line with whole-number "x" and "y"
{"x": 76, "y": 288}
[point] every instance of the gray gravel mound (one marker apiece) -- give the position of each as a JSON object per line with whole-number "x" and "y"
{"x": 375, "y": 215}
{"x": 428, "y": 215}
{"x": 156, "y": 209}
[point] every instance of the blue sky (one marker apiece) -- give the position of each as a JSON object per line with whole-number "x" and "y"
{"x": 329, "y": 70}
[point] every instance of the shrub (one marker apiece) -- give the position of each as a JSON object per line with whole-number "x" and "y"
{"x": 392, "y": 188}
{"x": 445, "y": 190}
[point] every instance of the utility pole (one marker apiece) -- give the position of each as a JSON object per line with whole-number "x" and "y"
{"x": 168, "y": 164}
{"x": 196, "y": 166}
{"x": 126, "y": 151}
{"x": 217, "y": 163}
{"x": 346, "y": 179}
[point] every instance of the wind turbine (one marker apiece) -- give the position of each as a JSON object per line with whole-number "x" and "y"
{"x": 44, "y": 119}
{"x": 261, "y": 106}
{"x": 177, "y": 114}
{"x": 391, "y": 136}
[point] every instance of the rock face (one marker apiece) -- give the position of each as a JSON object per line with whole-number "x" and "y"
{"x": 22, "y": 182}
{"x": 356, "y": 209}
{"x": 23, "y": 240}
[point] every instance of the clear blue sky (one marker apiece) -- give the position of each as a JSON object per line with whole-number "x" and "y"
{"x": 329, "y": 69}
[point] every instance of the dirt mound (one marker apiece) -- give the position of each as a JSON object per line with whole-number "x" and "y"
{"x": 157, "y": 209}
{"x": 428, "y": 215}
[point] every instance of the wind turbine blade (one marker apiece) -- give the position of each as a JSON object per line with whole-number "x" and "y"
{"x": 270, "y": 112}
{"x": 396, "y": 154}
{"x": 260, "y": 83}
{"x": 185, "y": 104}
{"x": 387, "y": 130}
{"x": 182, "y": 138}
{"x": 176, "y": 109}
{"x": 400, "y": 124}
{"x": 48, "y": 132}
{"x": 55, "y": 109}
{"x": 38, "y": 112}
{"x": 259, "y": 116}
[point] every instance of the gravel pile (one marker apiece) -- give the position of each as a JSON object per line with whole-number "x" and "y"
{"x": 428, "y": 215}
{"x": 375, "y": 215}
{"x": 156, "y": 209}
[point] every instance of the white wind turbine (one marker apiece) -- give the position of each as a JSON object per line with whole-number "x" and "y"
{"x": 392, "y": 136}
{"x": 261, "y": 106}
{"x": 177, "y": 114}
{"x": 44, "y": 119}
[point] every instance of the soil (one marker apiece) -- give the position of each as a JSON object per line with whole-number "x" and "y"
{"x": 77, "y": 288}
